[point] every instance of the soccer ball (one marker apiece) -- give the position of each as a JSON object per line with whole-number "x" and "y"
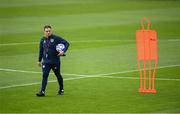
{"x": 60, "y": 47}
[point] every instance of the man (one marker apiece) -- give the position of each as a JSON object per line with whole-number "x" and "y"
{"x": 51, "y": 58}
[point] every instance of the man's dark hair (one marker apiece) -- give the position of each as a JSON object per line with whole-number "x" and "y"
{"x": 47, "y": 26}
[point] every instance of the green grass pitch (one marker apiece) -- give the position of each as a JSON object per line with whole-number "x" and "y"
{"x": 100, "y": 69}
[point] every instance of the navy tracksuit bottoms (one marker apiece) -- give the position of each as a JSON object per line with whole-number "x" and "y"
{"x": 46, "y": 67}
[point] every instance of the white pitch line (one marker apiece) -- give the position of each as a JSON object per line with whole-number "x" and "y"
{"x": 173, "y": 40}
{"x": 29, "y": 84}
{"x": 81, "y": 41}
{"x": 84, "y": 41}
{"x": 24, "y": 43}
{"x": 34, "y": 72}
{"x": 88, "y": 76}
{"x": 121, "y": 72}
{"x": 21, "y": 71}
{"x": 35, "y": 83}
{"x": 161, "y": 79}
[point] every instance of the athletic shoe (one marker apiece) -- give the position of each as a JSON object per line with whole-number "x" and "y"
{"x": 40, "y": 94}
{"x": 61, "y": 92}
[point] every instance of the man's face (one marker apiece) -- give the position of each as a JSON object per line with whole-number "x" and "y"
{"x": 47, "y": 32}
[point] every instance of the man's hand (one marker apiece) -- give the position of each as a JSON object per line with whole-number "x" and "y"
{"x": 39, "y": 64}
{"x": 61, "y": 53}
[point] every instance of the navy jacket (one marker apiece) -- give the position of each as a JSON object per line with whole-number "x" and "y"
{"x": 47, "y": 49}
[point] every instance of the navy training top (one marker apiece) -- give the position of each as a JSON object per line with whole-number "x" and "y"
{"x": 47, "y": 49}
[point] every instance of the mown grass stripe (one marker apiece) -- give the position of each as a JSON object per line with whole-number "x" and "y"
{"x": 87, "y": 41}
